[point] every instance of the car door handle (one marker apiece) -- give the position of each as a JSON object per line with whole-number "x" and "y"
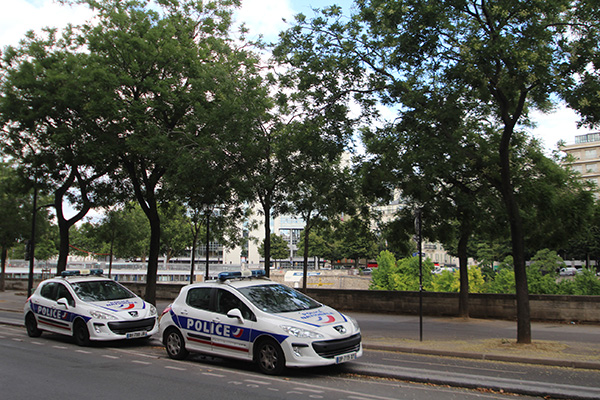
{"x": 184, "y": 312}
{"x": 216, "y": 320}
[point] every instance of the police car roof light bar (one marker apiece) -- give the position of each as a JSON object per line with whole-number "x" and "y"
{"x": 73, "y": 272}
{"x": 77, "y": 272}
{"x": 223, "y": 276}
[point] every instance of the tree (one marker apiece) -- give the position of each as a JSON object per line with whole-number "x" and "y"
{"x": 316, "y": 245}
{"x": 279, "y": 247}
{"x": 15, "y": 211}
{"x": 401, "y": 275}
{"x": 354, "y": 239}
{"x": 175, "y": 236}
{"x": 407, "y": 156}
{"x": 44, "y": 111}
{"x": 321, "y": 191}
{"x": 507, "y": 58}
{"x": 166, "y": 74}
{"x": 386, "y": 265}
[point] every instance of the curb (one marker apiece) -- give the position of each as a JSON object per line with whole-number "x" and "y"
{"x": 593, "y": 365}
{"x": 500, "y": 385}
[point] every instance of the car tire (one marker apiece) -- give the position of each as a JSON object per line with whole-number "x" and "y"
{"x": 269, "y": 357}
{"x": 175, "y": 345}
{"x": 81, "y": 333}
{"x": 31, "y": 325}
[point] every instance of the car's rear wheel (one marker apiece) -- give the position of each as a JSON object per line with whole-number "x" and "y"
{"x": 81, "y": 333}
{"x": 270, "y": 357}
{"x": 175, "y": 345}
{"x": 31, "y": 325}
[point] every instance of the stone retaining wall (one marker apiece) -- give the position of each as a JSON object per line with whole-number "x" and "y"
{"x": 493, "y": 306}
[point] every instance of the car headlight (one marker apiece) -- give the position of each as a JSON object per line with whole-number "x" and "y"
{"x": 152, "y": 310}
{"x": 354, "y": 322}
{"x": 301, "y": 333}
{"x": 101, "y": 315}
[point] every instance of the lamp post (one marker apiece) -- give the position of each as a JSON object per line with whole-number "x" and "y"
{"x": 30, "y": 249}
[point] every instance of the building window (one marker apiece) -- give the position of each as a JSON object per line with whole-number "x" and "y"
{"x": 590, "y": 154}
{"x": 590, "y": 168}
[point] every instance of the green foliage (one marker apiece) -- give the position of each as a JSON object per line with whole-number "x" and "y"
{"x": 386, "y": 265}
{"x": 279, "y": 248}
{"x": 401, "y": 275}
{"x": 446, "y": 282}
{"x": 504, "y": 282}
{"x": 175, "y": 233}
{"x": 449, "y": 281}
{"x": 547, "y": 261}
{"x": 585, "y": 283}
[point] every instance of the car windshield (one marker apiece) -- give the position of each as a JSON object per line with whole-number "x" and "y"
{"x": 278, "y": 298}
{"x": 101, "y": 291}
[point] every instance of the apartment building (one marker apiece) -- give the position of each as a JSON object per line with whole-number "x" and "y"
{"x": 586, "y": 156}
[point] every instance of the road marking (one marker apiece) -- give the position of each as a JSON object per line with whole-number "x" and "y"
{"x": 60, "y": 347}
{"x": 109, "y": 356}
{"x": 83, "y": 351}
{"x": 141, "y": 362}
{"x": 215, "y": 375}
{"x": 175, "y": 368}
{"x": 255, "y": 381}
{"x": 310, "y": 390}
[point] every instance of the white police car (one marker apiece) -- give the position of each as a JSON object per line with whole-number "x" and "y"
{"x": 255, "y": 319}
{"x": 88, "y": 307}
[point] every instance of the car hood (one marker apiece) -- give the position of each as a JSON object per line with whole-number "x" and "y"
{"x": 316, "y": 317}
{"x": 122, "y": 305}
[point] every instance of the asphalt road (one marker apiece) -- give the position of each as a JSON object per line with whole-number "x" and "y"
{"x": 396, "y": 366}
{"x": 53, "y": 368}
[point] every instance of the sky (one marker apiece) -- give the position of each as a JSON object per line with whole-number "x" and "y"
{"x": 264, "y": 17}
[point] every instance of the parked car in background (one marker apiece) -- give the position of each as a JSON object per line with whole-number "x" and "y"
{"x": 569, "y": 271}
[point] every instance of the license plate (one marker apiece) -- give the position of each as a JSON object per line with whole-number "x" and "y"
{"x": 345, "y": 357}
{"x": 133, "y": 335}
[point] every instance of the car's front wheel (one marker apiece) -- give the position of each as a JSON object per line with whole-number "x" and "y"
{"x": 270, "y": 357}
{"x": 175, "y": 345}
{"x": 81, "y": 333}
{"x": 31, "y": 325}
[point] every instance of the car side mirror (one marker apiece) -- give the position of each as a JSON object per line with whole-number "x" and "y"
{"x": 235, "y": 313}
{"x": 63, "y": 302}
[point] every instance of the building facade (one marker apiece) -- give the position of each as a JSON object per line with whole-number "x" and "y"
{"x": 585, "y": 156}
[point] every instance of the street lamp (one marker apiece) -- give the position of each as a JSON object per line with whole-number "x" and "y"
{"x": 30, "y": 249}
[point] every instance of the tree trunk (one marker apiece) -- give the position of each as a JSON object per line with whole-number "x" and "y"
{"x": 267, "y": 222}
{"x": 305, "y": 267}
{"x": 65, "y": 224}
{"x": 463, "y": 297}
{"x": 3, "y": 257}
{"x": 154, "y": 220}
{"x": 518, "y": 243}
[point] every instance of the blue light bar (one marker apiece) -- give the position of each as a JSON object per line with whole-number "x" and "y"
{"x": 257, "y": 273}
{"x": 72, "y": 272}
